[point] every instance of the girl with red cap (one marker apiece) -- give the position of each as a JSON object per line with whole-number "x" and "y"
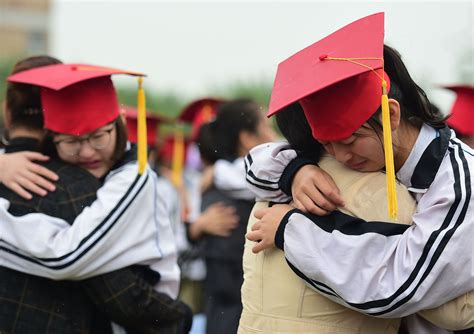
{"x": 296, "y": 306}
{"x": 84, "y": 128}
{"x": 342, "y": 82}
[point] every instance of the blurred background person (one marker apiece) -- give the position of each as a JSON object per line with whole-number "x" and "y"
{"x": 239, "y": 126}
{"x": 146, "y": 309}
{"x": 462, "y": 111}
{"x": 177, "y": 162}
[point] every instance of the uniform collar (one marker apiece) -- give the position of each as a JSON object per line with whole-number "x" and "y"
{"x": 129, "y": 155}
{"x": 419, "y": 171}
{"x": 20, "y": 144}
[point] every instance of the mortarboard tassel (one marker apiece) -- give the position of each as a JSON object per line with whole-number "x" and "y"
{"x": 141, "y": 124}
{"x": 178, "y": 157}
{"x": 387, "y": 135}
{"x": 389, "y": 164}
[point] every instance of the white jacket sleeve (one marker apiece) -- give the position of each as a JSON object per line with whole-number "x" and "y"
{"x": 264, "y": 166}
{"x": 116, "y": 231}
{"x": 384, "y": 269}
{"x": 229, "y": 177}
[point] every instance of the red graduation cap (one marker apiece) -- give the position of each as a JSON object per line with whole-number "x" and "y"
{"x": 340, "y": 83}
{"x": 200, "y": 112}
{"x": 76, "y": 98}
{"x": 196, "y": 107}
{"x": 337, "y": 80}
{"x": 152, "y": 123}
{"x": 462, "y": 110}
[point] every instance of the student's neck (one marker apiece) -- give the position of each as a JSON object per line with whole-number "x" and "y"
{"x": 407, "y": 136}
{"x": 24, "y": 132}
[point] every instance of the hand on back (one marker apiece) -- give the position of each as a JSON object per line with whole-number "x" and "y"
{"x": 22, "y": 175}
{"x": 314, "y": 191}
{"x": 219, "y": 219}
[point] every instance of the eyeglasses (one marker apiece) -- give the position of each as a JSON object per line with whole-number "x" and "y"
{"x": 97, "y": 140}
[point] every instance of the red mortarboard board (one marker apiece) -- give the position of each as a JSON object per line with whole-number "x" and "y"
{"x": 462, "y": 110}
{"x": 335, "y": 79}
{"x": 199, "y": 112}
{"x": 76, "y": 98}
{"x": 340, "y": 83}
{"x": 190, "y": 112}
{"x": 152, "y": 124}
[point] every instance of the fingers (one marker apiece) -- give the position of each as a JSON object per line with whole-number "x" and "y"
{"x": 315, "y": 191}
{"x": 260, "y": 246}
{"x": 255, "y": 236}
{"x": 227, "y": 215}
{"x": 229, "y": 223}
{"x": 217, "y": 205}
{"x": 311, "y": 204}
{"x": 15, "y": 187}
{"x": 331, "y": 191}
{"x": 256, "y": 226}
{"x": 318, "y": 198}
{"x": 35, "y": 156}
{"x": 40, "y": 182}
{"x": 297, "y": 204}
{"x": 43, "y": 171}
{"x": 26, "y": 184}
{"x": 260, "y": 213}
{"x": 223, "y": 233}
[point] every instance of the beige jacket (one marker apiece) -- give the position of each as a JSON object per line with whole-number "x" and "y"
{"x": 275, "y": 300}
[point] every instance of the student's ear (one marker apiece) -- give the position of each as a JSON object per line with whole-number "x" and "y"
{"x": 7, "y": 116}
{"x": 394, "y": 108}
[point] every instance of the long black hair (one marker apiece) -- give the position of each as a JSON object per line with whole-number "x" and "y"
{"x": 415, "y": 107}
{"x": 206, "y": 143}
{"x": 232, "y": 118}
{"x": 295, "y": 128}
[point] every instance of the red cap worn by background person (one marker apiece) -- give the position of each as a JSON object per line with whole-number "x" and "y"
{"x": 340, "y": 83}
{"x": 153, "y": 122}
{"x": 199, "y": 112}
{"x": 76, "y": 98}
{"x": 196, "y": 113}
{"x": 462, "y": 110}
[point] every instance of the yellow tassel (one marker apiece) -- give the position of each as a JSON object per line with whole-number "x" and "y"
{"x": 178, "y": 158}
{"x": 389, "y": 164}
{"x": 141, "y": 124}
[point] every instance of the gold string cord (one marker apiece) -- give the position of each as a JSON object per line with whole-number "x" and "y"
{"x": 387, "y": 133}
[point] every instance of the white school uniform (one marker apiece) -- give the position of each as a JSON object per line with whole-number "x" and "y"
{"x": 127, "y": 224}
{"x": 229, "y": 177}
{"x": 377, "y": 268}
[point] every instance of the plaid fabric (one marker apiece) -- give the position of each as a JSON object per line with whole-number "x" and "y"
{"x": 129, "y": 295}
{"x": 30, "y": 304}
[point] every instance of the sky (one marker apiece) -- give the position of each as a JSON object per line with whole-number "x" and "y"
{"x": 192, "y": 46}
